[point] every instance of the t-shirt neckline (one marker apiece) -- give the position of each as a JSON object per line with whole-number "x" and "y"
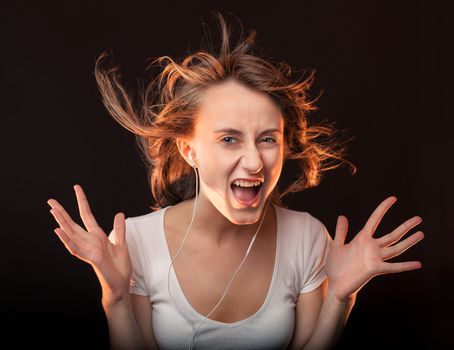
{"x": 186, "y": 302}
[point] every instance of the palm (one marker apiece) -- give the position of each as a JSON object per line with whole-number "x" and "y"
{"x": 109, "y": 258}
{"x": 350, "y": 266}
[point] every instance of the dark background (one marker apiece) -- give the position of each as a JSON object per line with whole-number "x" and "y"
{"x": 385, "y": 69}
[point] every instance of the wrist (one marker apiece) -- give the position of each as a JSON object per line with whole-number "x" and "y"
{"x": 110, "y": 300}
{"x": 345, "y": 300}
{"x": 112, "y": 292}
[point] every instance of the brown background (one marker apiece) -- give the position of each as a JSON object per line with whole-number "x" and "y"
{"x": 386, "y": 72}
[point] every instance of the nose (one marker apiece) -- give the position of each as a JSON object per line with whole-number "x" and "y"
{"x": 252, "y": 160}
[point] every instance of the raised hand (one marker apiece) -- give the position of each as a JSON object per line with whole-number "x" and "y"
{"x": 350, "y": 266}
{"x": 109, "y": 258}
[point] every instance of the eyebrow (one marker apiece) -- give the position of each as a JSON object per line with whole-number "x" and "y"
{"x": 238, "y": 132}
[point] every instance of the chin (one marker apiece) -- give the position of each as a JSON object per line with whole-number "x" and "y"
{"x": 249, "y": 215}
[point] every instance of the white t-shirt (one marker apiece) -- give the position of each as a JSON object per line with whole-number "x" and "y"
{"x": 301, "y": 250}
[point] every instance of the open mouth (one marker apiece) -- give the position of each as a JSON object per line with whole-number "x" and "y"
{"x": 246, "y": 195}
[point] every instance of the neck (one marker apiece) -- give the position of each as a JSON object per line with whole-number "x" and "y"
{"x": 213, "y": 228}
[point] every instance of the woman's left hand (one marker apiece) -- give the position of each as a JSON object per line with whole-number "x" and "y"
{"x": 350, "y": 266}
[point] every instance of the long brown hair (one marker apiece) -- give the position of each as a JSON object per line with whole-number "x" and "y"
{"x": 170, "y": 101}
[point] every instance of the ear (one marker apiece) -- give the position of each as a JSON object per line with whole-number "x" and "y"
{"x": 184, "y": 147}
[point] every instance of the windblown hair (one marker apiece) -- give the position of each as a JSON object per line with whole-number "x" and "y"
{"x": 169, "y": 104}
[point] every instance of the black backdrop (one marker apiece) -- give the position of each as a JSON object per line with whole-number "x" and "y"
{"x": 385, "y": 71}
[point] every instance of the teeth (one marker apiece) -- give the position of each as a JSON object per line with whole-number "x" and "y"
{"x": 244, "y": 183}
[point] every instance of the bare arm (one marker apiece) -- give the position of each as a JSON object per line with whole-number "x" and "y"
{"x": 124, "y": 332}
{"x": 331, "y": 322}
{"x": 307, "y": 311}
{"x": 143, "y": 314}
{"x": 350, "y": 266}
{"x": 319, "y": 319}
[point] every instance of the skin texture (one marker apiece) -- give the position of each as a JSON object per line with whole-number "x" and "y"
{"x": 221, "y": 158}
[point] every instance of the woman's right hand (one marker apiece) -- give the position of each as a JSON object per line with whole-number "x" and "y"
{"x": 108, "y": 257}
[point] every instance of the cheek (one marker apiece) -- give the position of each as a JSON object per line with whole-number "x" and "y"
{"x": 274, "y": 165}
{"x": 215, "y": 168}
{"x": 274, "y": 156}
{"x": 276, "y": 168}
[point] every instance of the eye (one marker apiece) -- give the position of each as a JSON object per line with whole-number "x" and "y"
{"x": 269, "y": 138}
{"x": 227, "y": 137}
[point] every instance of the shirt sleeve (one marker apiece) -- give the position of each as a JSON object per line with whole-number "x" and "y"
{"x": 137, "y": 283}
{"x": 315, "y": 247}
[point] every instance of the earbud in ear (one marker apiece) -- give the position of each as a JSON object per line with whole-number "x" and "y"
{"x": 191, "y": 160}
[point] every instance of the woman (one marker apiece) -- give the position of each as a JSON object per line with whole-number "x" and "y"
{"x": 251, "y": 275}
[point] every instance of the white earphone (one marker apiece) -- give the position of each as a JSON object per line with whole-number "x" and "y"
{"x": 191, "y": 163}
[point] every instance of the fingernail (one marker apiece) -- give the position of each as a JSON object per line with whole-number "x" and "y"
{"x": 48, "y": 202}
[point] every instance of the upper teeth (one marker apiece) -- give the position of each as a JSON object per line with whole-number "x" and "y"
{"x": 244, "y": 183}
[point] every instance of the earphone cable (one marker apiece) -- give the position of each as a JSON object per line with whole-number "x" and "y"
{"x": 231, "y": 280}
{"x": 181, "y": 246}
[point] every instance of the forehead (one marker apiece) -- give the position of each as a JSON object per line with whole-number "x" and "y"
{"x": 235, "y": 105}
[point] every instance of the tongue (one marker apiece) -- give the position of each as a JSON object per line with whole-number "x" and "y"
{"x": 244, "y": 193}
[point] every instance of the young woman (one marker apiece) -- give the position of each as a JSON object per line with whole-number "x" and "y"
{"x": 224, "y": 264}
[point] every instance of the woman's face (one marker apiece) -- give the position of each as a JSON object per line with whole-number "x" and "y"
{"x": 253, "y": 147}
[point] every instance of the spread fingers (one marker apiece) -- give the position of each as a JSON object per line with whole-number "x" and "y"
{"x": 69, "y": 242}
{"x": 377, "y": 215}
{"x": 395, "y": 235}
{"x": 54, "y": 204}
{"x": 84, "y": 209}
{"x": 71, "y": 232}
{"x": 390, "y": 252}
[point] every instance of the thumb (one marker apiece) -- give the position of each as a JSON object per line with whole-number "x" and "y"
{"x": 120, "y": 228}
{"x": 341, "y": 230}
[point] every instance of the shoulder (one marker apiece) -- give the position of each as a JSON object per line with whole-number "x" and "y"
{"x": 139, "y": 227}
{"x": 146, "y": 217}
{"x": 301, "y": 222}
{"x": 305, "y": 233}
{"x": 139, "y": 221}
